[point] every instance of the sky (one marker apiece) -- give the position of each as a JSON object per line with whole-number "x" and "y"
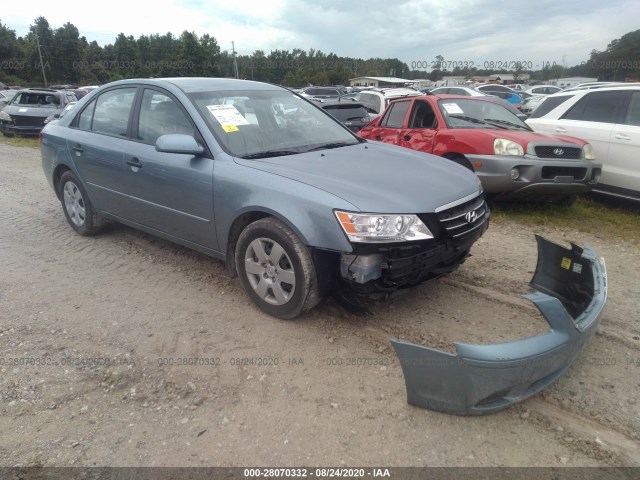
{"x": 479, "y": 31}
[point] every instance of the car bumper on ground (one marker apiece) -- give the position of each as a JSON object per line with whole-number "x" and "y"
{"x": 534, "y": 175}
{"x": 571, "y": 293}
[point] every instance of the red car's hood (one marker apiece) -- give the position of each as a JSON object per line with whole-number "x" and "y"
{"x": 524, "y": 137}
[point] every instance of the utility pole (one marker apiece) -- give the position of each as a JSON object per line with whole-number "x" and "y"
{"x": 235, "y": 62}
{"x": 41, "y": 63}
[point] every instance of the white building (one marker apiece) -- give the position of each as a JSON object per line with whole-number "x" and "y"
{"x": 379, "y": 82}
{"x": 507, "y": 78}
{"x": 571, "y": 81}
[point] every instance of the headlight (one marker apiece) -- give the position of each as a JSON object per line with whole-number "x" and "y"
{"x": 382, "y": 228}
{"x": 502, "y": 146}
{"x": 5, "y": 116}
{"x": 589, "y": 154}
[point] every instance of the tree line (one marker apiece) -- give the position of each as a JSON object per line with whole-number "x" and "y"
{"x": 63, "y": 56}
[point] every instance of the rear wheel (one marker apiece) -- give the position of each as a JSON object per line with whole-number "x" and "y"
{"x": 276, "y": 269}
{"x": 77, "y": 206}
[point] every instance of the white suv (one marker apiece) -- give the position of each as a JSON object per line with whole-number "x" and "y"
{"x": 609, "y": 119}
{"x": 377, "y": 99}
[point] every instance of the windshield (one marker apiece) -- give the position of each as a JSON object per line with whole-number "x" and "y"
{"x": 470, "y": 113}
{"x": 33, "y": 99}
{"x": 255, "y": 124}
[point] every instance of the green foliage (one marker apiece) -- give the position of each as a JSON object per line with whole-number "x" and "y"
{"x": 67, "y": 57}
{"x": 591, "y": 214}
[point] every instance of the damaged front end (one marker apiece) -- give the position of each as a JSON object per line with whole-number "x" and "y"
{"x": 571, "y": 291}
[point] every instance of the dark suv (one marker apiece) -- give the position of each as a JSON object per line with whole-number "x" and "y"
{"x": 26, "y": 112}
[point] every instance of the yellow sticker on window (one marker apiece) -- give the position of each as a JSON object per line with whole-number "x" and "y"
{"x": 566, "y": 263}
{"x": 230, "y": 128}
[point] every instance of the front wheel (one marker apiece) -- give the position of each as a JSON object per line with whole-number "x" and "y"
{"x": 276, "y": 269}
{"x": 77, "y": 206}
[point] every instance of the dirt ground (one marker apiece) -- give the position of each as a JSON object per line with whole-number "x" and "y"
{"x": 134, "y": 351}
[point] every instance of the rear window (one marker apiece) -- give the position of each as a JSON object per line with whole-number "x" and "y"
{"x": 548, "y": 104}
{"x": 347, "y": 112}
{"x": 370, "y": 101}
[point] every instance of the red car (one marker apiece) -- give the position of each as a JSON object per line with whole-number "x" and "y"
{"x": 512, "y": 161}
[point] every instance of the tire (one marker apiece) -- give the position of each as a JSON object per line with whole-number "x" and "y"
{"x": 276, "y": 269}
{"x": 460, "y": 160}
{"x": 77, "y": 207}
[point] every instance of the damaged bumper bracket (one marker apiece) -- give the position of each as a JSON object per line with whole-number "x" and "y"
{"x": 571, "y": 291}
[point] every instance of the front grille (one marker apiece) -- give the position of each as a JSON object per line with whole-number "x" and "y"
{"x": 551, "y": 173}
{"x": 464, "y": 218}
{"x": 22, "y": 121}
{"x": 572, "y": 153}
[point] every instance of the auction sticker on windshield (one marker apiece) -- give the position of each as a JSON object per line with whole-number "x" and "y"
{"x": 452, "y": 108}
{"x": 228, "y": 116}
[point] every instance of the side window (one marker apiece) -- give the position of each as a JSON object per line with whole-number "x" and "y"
{"x": 111, "y": 114}
{"x": 548, "y": 104}
{"x": 604, "y": 107}
{"x": 633, "y": 115}
{"x": 160, "y": 115}
{"x": 396, "y": 114}
{"x": 422, "y": 116}
{"x": 86, "y": 116}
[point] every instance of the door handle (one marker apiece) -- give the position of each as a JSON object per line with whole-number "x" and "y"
{"x": 561, "y": 130}
{"x": 378, "y": 137}
{"x": 406, "y": 138}
{"x": 622, "y": 136}
{"x": 77, "y": 149}
{"x": 134, "y": 162}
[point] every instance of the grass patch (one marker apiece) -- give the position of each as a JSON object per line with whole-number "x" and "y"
{"x": 590, "y": 214}
{"x": 17, "y": 141}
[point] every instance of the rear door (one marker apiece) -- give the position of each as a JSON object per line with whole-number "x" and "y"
{"x": 392, "y": 123}
{"x": 96, "y": 142}
{"x": 593, "y": 118}
{"x": 421, "y": 127}
{"x": 622, "y": 171}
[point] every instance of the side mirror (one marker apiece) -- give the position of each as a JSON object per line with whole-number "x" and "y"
{"x": 179, "y": 143}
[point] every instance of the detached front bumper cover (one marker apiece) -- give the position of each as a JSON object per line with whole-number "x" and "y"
{"x": 571, "y": 293}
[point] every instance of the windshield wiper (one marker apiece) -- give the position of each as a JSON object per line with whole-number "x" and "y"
{"x": 476, "y": 120}
{"x": 331, "y": 145}
{"x": 269, "y": 153}
{"x": 505, "y": 122}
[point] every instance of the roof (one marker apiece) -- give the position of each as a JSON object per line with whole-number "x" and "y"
{"x": 203, "y": 84}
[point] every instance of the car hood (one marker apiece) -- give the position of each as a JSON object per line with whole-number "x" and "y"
{"x": 376, "y": 177}
{"x": 26, "y": 111}
{"x": 524, "y": 137}
{"x": 482, "y": 139}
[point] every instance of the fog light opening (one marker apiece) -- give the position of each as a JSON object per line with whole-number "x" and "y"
{"x": 514, "y": 173}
